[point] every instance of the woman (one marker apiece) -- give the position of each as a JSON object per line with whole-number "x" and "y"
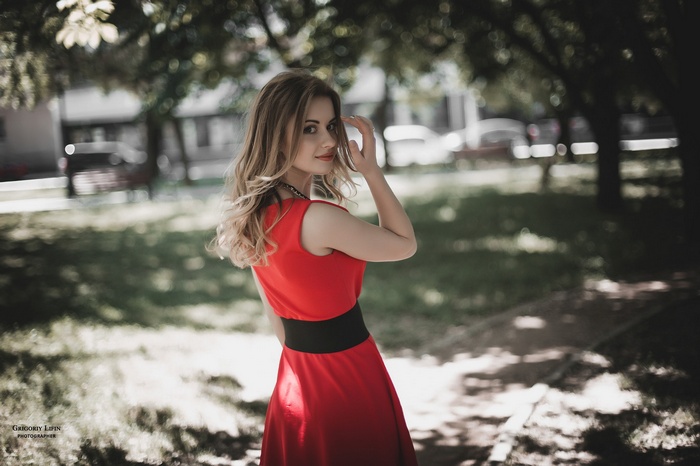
{"x": 334, "y": 403}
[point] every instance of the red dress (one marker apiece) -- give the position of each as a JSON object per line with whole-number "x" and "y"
{"x": 328, "y": 409}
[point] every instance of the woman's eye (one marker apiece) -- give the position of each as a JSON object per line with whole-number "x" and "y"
{"x": 310, "y": 130}
{"x": 333, "y": 127}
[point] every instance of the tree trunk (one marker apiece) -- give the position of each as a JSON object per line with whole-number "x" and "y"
{"x": 687, "y": 122}
{"x": 381, "y": 119}
{"x": 154, "y": 131}
{"x": 565, "y": 134}
{"x": 546, "y": 177}
{"x": 605, "y": 123}
{"x": 177, "y": 126}
{"x": 690, "y": 163}
{"x": 609, "y": 197}
{"x": 606, "y": 127}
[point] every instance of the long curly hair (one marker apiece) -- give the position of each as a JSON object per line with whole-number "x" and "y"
{"x": 250, "y": 187}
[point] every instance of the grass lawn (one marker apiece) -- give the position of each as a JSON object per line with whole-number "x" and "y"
{"x": 121, "y": 330}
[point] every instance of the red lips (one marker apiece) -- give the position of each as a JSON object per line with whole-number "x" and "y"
{"x": 326, "y": 157}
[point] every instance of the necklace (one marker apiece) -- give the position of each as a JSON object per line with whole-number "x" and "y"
{"x": 293, "y": 190}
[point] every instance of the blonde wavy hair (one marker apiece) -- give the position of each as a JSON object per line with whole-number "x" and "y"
{"x": 261, "y": 163}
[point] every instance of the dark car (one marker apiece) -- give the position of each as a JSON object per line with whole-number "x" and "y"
{"x": 93, "y": 167}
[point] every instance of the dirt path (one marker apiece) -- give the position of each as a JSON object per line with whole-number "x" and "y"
{"x": 480, "y": 384}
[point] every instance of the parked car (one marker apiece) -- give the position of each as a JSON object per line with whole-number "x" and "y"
{"x": 544, "y": 131}
{"x": 93, "y": 167}
{"x": 408, "y": 145}
{"x": 415, "y": 145}
{"x": 492, "y": 136}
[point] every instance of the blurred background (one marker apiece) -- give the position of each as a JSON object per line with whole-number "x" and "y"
{"x": 542, "y": 148}
{"x": 444, "y": 82}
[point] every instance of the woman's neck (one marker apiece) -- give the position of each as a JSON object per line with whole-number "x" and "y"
{"x": 300, "y": 181}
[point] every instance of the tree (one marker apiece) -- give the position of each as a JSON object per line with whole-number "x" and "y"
{"x": 331, "y": 38}
{"x": 308, "y": 35}
{"x": 168, "y": 49}
{"x": 402, "y": 39}
{"x": 32, "y": 63}
{"x": 164, "y": 50}
{"x": 569, "y": 42}
{"x": 661, "y": 41}
{"x": 605, "y": 55}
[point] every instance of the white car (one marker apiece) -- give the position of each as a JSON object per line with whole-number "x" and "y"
{"x": 408, "y": 145}
{"x": 415, "y": 145}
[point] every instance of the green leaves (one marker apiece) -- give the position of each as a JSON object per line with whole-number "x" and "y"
{"x": 86, "y": 24}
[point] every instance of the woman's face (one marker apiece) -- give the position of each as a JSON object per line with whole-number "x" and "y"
{"x": 318, "y": 142}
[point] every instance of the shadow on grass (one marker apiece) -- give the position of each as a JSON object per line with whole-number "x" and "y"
{"x": 188, "y": 443}
{"x": 149, "y": 278}
{"x": 111, "y": 431}
{"x": 480, "y": 252}
{"x": 659, "y": 359}
{"x": 486, "y": 252}
{"x": 442, "y": 450}
{"x": 25, "y": 359}
{"x": 224, "y": 388}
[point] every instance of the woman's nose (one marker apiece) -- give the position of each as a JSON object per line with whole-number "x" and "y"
{"x": 330, "y": 139}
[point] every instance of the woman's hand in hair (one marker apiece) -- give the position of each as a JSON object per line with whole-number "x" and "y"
{"x": 365, "y": 160}
{"x": 327, "y": 228}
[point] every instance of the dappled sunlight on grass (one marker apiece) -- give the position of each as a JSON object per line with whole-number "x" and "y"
{"x": 631, "y": 400}
{"x": 143, "y": 274}
{"x": 532, "y": 322}
{"x": 151, "y": 394}
{"x": 121, "y": 328}
{"x": 481, "y": 250}
{"x": 524, "y": 241}
{"x": 605, "y": 394}
{"x": 241, "y": 315}
{"x": 201, "y": 215}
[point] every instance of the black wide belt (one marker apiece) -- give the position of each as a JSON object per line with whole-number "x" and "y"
{"x": 326, "y": 336}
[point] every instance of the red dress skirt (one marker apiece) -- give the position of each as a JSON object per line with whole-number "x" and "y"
{"x": 330, "y": 408}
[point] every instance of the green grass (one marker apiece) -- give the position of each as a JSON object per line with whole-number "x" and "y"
{"x": 103, "y": 266}
{"x": 480, "y": 251}
{"x": 95, "y": 301}
{"x": 485, "y": 251}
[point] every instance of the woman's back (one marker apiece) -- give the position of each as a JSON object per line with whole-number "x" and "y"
{"x": 300, "y": 285}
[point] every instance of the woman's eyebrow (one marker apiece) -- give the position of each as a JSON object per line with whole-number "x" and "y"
{"x": 318, "y": 122}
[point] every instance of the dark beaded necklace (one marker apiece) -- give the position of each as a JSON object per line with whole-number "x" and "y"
{"x": 293, "y": 190}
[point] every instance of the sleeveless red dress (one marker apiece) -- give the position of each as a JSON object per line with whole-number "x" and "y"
{"x": 327, "y": 409}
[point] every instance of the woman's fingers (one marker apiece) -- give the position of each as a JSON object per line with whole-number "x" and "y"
{"x": 366, "y": 128}
{"x": 361, "y": 123}
{"x": 355, "y": 152}
{"x": 365, "y": 158}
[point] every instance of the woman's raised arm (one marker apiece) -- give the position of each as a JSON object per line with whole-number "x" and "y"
{"x": 327, "y": 228}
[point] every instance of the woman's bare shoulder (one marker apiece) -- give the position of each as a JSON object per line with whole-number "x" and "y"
{"x": 328, "y": 226}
